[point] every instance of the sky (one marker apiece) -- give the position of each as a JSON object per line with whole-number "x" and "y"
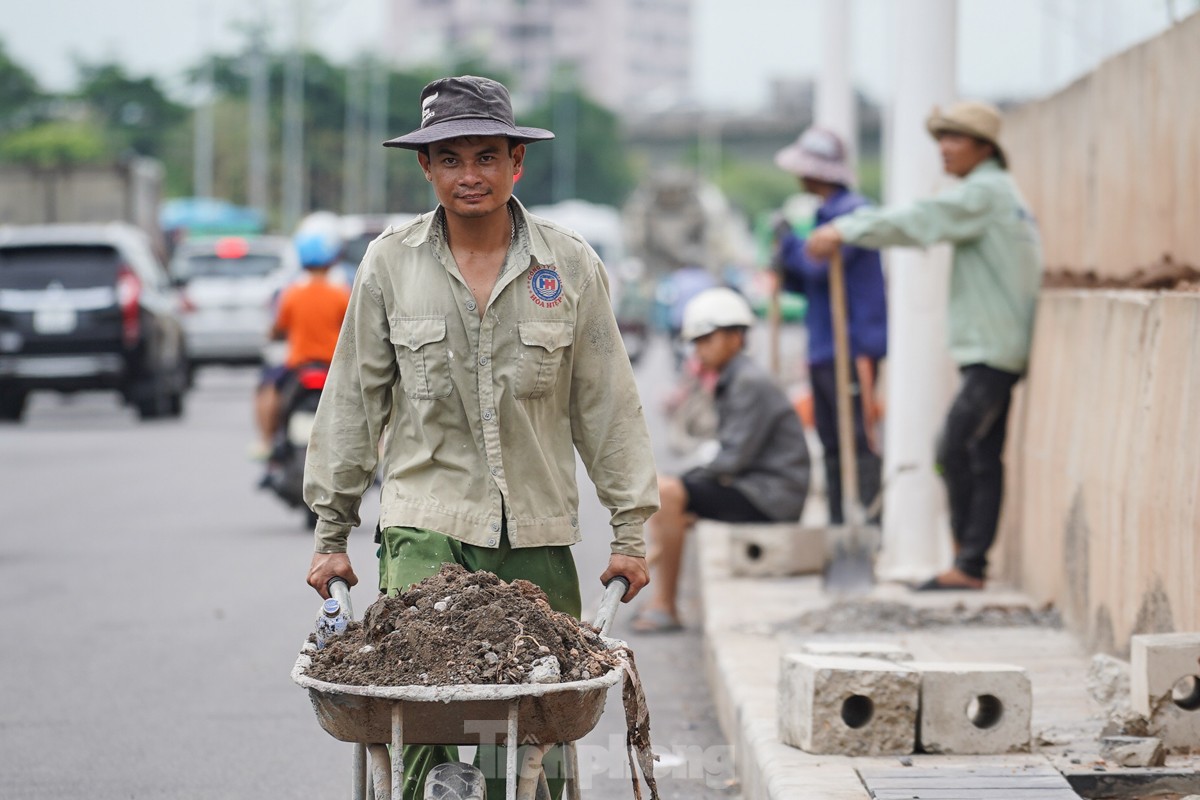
{"x": 1007, "y": 48}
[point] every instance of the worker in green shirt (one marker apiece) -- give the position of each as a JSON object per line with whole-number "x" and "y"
{"x": 994, "y": 283}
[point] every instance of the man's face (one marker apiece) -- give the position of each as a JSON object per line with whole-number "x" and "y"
{"x": 962, "y": 153}
{"x": 714, "y": 350}
{"x": 472, "y": 176}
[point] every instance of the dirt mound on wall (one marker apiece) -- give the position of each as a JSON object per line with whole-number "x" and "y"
{"x": 1165, "y": 275}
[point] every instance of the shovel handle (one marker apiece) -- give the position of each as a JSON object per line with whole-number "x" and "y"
{"x": 340, "y": 590}
{"x": 851, "y": 505}
{"x": 614, "y": 590}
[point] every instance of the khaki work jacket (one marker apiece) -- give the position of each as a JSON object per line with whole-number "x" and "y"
{"x": 480, "y": 418}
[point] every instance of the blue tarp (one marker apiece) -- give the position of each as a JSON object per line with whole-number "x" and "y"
{"x": 206, "y": 215}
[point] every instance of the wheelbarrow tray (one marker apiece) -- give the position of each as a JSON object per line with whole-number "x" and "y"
{"x": 464, "y": 714}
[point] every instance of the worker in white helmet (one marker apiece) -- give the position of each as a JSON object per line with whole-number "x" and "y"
{"x": 759, "y": 474}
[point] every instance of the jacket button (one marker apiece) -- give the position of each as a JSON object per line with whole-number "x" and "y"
{"x": 487, "y": 414}
{"x": 471, "y": 305}
{"x": 491, "y": 542}
{"x": 495, "y": 470}
{"x": 495, "y": 526}
{"x": 483, "y": 360}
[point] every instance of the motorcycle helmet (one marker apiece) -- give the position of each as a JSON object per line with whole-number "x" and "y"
{"x": 712, "y": 309}
{"x": 317, "y": 248}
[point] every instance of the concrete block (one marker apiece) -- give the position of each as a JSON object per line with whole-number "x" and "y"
{"x": 771, "y": 550}
{"x": 1164, "y": 685}
{"x": 884, "y": 651}
{"x": 973, "y": 709}
{"x": 850, "y": 706}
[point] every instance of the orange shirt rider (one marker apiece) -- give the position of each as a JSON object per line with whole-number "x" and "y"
{"x": 310, "y": 317}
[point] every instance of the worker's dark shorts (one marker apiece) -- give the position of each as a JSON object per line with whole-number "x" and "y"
{"x": 710, "y": 499}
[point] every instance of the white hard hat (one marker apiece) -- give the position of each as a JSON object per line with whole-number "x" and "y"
{"x": 713, "y": 309}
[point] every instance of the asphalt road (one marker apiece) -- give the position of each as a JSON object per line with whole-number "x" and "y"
{"x": 156, "y": 601}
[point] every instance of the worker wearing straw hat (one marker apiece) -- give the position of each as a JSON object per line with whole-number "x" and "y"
{"x": 994, "y": 282}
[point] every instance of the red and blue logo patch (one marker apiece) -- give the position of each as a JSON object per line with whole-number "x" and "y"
{"x": 545, "y": 286}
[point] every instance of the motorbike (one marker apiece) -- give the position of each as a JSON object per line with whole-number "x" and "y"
{"x": 300, "y": 394}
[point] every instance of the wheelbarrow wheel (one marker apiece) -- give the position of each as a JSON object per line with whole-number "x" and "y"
{"x": 454, "y": 781}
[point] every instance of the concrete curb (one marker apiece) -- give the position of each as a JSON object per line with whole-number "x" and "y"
{"x": 742, "y": 653}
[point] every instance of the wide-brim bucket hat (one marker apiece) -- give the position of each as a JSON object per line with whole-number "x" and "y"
{"x": 466, "y": 106}
{"x": 973, "y": 118}
{"x": 817, "y": 154}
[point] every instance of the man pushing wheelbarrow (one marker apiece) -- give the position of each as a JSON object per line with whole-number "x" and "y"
{"x": 483, "y": 338}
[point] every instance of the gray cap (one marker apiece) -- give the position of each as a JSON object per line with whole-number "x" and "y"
{"x": 465, "y": 106}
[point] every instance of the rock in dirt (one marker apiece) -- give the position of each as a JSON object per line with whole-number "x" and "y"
{"x": 460, "y": 627}
{"x": 1133, "y": 751}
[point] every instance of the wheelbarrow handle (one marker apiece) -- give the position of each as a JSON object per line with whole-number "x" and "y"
{"x": 614, "y": 590}
{"x": 340, "y": 590}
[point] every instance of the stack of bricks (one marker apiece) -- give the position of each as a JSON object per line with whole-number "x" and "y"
{"x": 868, "y": 699}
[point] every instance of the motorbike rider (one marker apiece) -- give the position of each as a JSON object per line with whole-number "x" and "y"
{"x": 309, "y": 317}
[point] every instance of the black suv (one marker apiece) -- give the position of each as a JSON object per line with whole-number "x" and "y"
{"x": 88, "y": 307}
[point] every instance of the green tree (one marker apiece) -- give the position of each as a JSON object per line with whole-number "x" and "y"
{"x": 591, "y": 136}
{"x": 55, "y": 144}
{"x": 19, "y": 93}
{"x": 135, "y": 111}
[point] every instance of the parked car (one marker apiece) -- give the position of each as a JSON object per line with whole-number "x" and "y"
{"x": 230, "y": 285}
{"x": 359, "y": 230}
{"x": 86, "y": 307}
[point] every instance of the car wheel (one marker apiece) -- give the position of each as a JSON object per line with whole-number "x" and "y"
{"x": 12, "y": 404}
{"x": 153, "y": 400}
{"x": 175, "y": 404}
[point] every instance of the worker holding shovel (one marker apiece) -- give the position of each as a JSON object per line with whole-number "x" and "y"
{"x": 994, "y": 282}
{"x": 818, "y": 160}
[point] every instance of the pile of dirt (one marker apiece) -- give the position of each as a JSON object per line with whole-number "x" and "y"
{"x": 460, "y": 627}
{"x": 1165, "y": 275}
{"x": 878, "y": 616}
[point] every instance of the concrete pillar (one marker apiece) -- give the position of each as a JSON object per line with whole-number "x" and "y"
{"x": 915, "y": 538}
{"x": 835, "y": 106}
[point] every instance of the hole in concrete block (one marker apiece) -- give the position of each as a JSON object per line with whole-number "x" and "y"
{"x": 754, "y": 552}
{"x": 985, "y": 711}
{"x": 1186, "y": 693}
{"x": 857, "y": 710}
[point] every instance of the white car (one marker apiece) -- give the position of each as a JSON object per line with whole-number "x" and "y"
{"x": 230, "y": 287}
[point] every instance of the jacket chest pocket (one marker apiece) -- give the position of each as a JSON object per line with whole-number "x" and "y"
{"x": 423, "y": 356}
{"x": 543, "y": 343}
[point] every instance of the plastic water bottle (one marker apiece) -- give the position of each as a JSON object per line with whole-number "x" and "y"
{"x": 331, "y": 622}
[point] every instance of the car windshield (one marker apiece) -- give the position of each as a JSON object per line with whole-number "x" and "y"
{"x": 79, "y": 267}
{"x": 210, "y": 265}
{"x": 356, "y": 248}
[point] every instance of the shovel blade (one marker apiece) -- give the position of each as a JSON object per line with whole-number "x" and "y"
{"x": 850, "y": 559}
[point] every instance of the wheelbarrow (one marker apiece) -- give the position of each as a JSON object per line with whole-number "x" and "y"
{"x": 538, "y": 715}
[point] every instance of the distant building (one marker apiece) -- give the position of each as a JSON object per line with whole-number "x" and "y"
{"x": 630, "y": 55}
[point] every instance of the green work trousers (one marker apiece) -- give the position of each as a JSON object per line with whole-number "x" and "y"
{"x": 408, "y": 555}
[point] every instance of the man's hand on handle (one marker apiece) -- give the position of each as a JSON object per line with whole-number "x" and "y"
{"x": 631, "y": 568}
{"x": 327, "y": 566}
{"x": 823, "y": 242}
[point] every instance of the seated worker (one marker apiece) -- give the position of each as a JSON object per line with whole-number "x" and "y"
{"x": 309, "y": 317}
{"x": 760, "y": 473}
